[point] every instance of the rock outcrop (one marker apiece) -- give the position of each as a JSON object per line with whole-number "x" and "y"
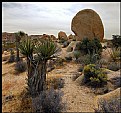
{"x": 111, "y": 101}
{"x": 62, "y": 35}
{"x": 87, "y": 23}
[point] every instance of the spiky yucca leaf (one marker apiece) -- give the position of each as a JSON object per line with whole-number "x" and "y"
{"x": 47, "y": 49}
{"x": 26, "y": 47}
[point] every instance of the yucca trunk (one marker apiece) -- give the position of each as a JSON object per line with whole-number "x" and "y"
{"x": 30, "y": 68}
{"x": 40, "y": 79}
{"x": 17, "y": 52}
{"x": 43, "y": 75}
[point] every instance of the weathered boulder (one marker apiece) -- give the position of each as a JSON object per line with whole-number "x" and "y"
{"x": 53, "y": 37}
{"x": 72, "y": 45}
{"x": 62, "y": 36}
{"x": 80, "y": 80}
{"x": 114, "y": 80}
{"x": 87, "y": 23}
{"x": 109, "y": 102}
{"x": 70, "y": 36}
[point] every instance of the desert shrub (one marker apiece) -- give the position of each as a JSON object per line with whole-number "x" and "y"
{"x": 76, "y": 54}
{"x": 9, "y": 45}
{"x": 94, "y": 75}
{"x": 89, "y": 59}
{"x": 115, "y": 53}
{"x": 114, "y": 66}
{"x": 109, "y": 106}
{"x": 62, "y": 40}
{"x": 21, "y": 66}
{"x": 55, "y": 82}
{"x": 89, "y": 46}
{"x": 11, "y": 59}
{"x": 69, "y": 49}
{"x": 68, "y": 58}
{"x": 103, "y": 61}
{"x": 59, "y": 61}
{"x": 65, "y": 44}
{"x": 116, "y": 41}
{"x": 12, "y": 56}
{"x": 49, "y": 101}
{"x": 80, "y": 69}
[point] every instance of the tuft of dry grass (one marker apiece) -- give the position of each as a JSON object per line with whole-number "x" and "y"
{"x": 55, "y": 82}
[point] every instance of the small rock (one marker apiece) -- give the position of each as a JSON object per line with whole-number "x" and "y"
{"x": 9, "y": 97}
{"x": 72, "y": 101}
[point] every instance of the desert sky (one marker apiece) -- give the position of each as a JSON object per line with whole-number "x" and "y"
{"x": 52, "y": 17}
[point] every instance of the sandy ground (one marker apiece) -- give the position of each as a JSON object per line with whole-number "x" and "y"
{"x": 77, "y": 98}
{"x": 12, "y": 84}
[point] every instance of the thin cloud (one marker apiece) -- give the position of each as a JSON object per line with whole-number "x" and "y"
{"x": 52, "y": 17}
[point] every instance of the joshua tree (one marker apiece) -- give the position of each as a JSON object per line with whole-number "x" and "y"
{"x": 18, "y": 36}
{"x": 26, "y": 47}
{"x": 45, "y": 50}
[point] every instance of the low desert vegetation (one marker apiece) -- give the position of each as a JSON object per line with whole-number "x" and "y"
{"x": 114, "y": 66}
{"x": 20, "y": 66}
{"x": 49, "y": 101}
{"x": 55, "y": 82}
{"x": 12, "y": 56}
{"x": 116, "y": 41}
{"x": 94, "y": 75}
{"x": 43, "y": 94}
{"x": 90, "y": 46}
{"x": 112, "y": 106}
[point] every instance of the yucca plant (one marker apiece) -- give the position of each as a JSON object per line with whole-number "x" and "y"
{"x": 18, "y": 36}
{"x": 26, "y": 48}
{"x": 46, "y": 50}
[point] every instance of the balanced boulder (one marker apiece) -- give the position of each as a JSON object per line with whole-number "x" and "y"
{"x": 87, "y": 24}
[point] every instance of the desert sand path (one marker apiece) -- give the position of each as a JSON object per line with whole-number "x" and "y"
{"x": 77, "y": 98}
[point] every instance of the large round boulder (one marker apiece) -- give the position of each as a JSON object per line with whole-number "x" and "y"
{"x": 87, "y": 24}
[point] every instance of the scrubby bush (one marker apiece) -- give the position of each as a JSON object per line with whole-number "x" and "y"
{"x": 80, "y": 69}
{"x": 68, "y": 58}
{"x": 65, "y": 44}
{"x": 94, "y": 75}
{"x": 88, "y": 59}
{"x": 102, "y": 62}
{"x": 20, "y": 66}
{"x": 12, "y": 56}
{"x": 76, "y": 54}
{"x": 115, "y": 53}
{"x": 116, "y": 41}
{"x": 106, "y": 106}
{"x": 55, "y": 82}
{"x": 62, "y": 40}
{"x": 114, "y": 66}
{"x": 49, "y": 101}
{"x": 59, "y": 62}
{"x": 89, "y": 46}
{"x": 11, "y": 59}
